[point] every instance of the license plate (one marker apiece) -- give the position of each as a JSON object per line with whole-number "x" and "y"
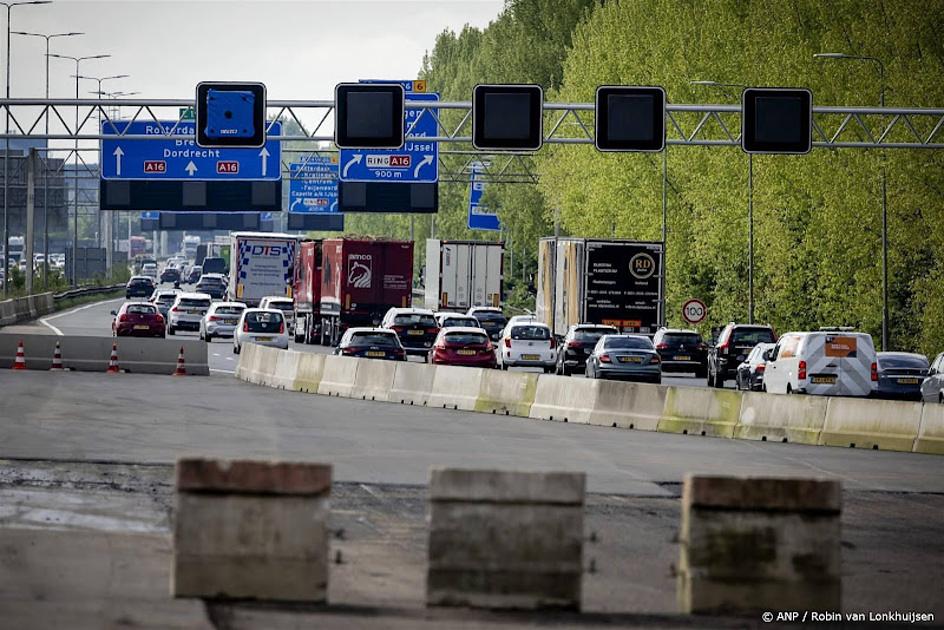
{"x": 630, "y": 359}
{"x": 823, "y": 380}
{"x": 414, "y": 332}
{"x": 466, "y": 352}
{"x": 907, "y": 381}
{"x": 263, "y": 338}
{"x": 683, "y": 358}
{"x": 530, "y": 357}
{"x": 142, "y": 327}
{"x": 374, "y": 353}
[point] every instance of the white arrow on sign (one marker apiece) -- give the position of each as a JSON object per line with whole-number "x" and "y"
{"x": 354, "y": 160}
{"x": 334, "y": 207}
{"x": 118, "y": 153}
{"x": 264, "y": 154}
{"x": 191, "y": 168}
{"x": 291, "y": 208}
{"x": 427, "y": 159}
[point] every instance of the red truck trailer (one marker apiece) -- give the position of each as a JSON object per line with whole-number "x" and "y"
{"x": 307, "y": 292}
{"x": 362, "y": 278}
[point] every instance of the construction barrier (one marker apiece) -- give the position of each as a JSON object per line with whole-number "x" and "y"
{"x": 931, "y": 432}
{"x": 412, "y": 383}
{"x": 627, "y": 405}
{"x": 309, "y": 372}
{"x": 781, "y": 418}
{"x": 506, "y": 393}
{"x": 685, "y": 410}
{"x": 338, "y": 376}
{"x": 564, "y": 399}
{"x": 373, "y": 380}
{"x": 456, "y": 387}
{"x": 25, "y": 308}
{"x": 864, "y": 423}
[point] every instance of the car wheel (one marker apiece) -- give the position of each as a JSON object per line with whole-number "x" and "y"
{"x": 701, "y": 373}
{"x": 719, "y": 381}
{"x": 170, "y": 330}
{"x": 208, "y": 338}
{"x": 940, "y": 398}
{"x": 235, "y": 349}
{"x": 789, "y": 390}
{"x": 711, "y": 378}
{"x": 504, "y": 366}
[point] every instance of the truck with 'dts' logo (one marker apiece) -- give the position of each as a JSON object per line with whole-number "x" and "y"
{"x": 262, "y": 264}
{"x": 361, "y": 278}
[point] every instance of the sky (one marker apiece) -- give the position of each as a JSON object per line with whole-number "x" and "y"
{"x": 300, "y": 49}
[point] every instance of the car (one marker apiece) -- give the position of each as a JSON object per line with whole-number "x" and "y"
{"x": 733, "y": 345}
{"x": 187, "y": 311}
{"x": 491, "y": 319}
{"x": 577, "y": 344}
{"x": 900, "y": 375}
{"x": 528, "y": 344}
{"x": 170, "y": 274}
{"x": 220, "y": 320}
{"x": 284, "y": 304}
{"x": 214, "y": 264}
{"x": 682, "y": 351}
{"x": 831, "y": 362}
{"x": 416, "y": 328}
{"x": 517, "y": 319}
{"x": 371, "y": 343}
{"x": 463, "y": 345}
{"x": 139, "y": 287}
{"x": 446, "y": 319}
{"x": 932, "y": 389}
{"x": 213, "y": 285}
{"x": 750, "y": 373}
{"x": 150, "y": 270}
{"x": 192, "y": 275}
{"x": 163, "y": 299}
{"x": 264, "y": 326}
{"x": 137, "y": 319}
{"x": 625, "y": 357}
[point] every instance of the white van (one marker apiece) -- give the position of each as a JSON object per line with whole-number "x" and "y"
{"x": 823, "y": 363}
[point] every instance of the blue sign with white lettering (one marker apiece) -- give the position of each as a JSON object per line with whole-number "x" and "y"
{"x": 415, "y": 161}
{"x": 313, "y": 186}
{"x": 479, "y": 216}
{"x": 173, "y": 158}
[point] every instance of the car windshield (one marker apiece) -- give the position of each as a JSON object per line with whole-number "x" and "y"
{"x": 206, "y": 280}
{"x": 374, "y": 339}
{"x": 194, "y": 303}
{"x": 752, "y": 336}
{"x": 591, "y": 334}
{"x": 414, "y": 319}
{"x": 140, "y": 281}
{"x": 229, "y": 310}
{"x": 893, "y": 362}
{"x": 263, "y": 322}
{"x": 141, "y": 309}
{"x": 530, "y": 333}
{"x": 628, "y": 343}
{"x": 491, "y": 317}
{"x": 282, "y": 305}
{"x": 471, "y": 322}
{"x": 466, "y": 338}
{"x": 678, "y": 339}
{"x": 166, "y": 299}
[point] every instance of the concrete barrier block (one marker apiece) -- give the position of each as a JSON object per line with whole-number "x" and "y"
{"x": 286, "y": 369}
{"x": 507, "y": 393}
{"x": 455, "y": 387}
{"x": 564, "y": 399}
{"x": 628, "y": 405}
{"x": 309, "y": 372}
{"x": 337, "y": 379}
{"x": 686, "y": 409}
{"x": 251, "y": 530}
{"x": 505, "y": 539}
{"x": 258, "y": 363}
{"x": 866, "y": 423}
{"x": 749, "y": 545}
{"x": 723, "y": 412}
{"x": 374, "y": 379}
{"x": 775, "y": 418}
{"x": 244, "y": 362}
{"x": 931, "y": 433}
{"x": 412, "y": 383}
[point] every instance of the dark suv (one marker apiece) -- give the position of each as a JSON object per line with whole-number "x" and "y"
{"x": 732, "y": 347}
{"x": 139, "y": 287}
{"x": 682, "y": 351}
{"x": 578, "y": 344}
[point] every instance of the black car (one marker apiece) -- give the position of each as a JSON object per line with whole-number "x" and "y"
{"x": 212, "y": 286}
{"x": 416, "y": 328}
{"x": 371, "y": 343}
{"x": 214, "y": 264}
{"x": 491, "y": 319}
{"x": 682, "y": 351}
{"x": 193, "y": 274}
{"x": 139, "y": 287}
{"x": 750, "y": 373}
{"x": 732, "y": 347}
{"x": 900, "y": 375}
{"x": 170, "y": 274}
{"x": 577, "y": 345}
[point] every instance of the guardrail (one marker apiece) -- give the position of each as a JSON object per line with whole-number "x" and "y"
{"x": 83, "y": 291}
{"x": 16, "y": 310}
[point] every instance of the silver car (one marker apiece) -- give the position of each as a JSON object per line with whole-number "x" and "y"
{"x": 265, "y": 326}
{"x": 627, "y": 357}
{"x": 187, "y": 312}
{"x": 221, "y": 320}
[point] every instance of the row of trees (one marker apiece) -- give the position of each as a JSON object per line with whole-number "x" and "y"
{"x": 817, "y": 217}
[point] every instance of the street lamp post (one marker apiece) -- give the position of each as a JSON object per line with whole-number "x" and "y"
{"x": 75, "y": 175}
{"x": 6, "y": 154}
{"x": 750, "y": 202}
{"x": 881, "y": 100}
{"x": 46, "y": 170}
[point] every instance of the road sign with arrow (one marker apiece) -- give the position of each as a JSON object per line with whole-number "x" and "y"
{"x": 314, "y": 184}
{"x": 170, "y": 157}
{"x": 415, "y": 161}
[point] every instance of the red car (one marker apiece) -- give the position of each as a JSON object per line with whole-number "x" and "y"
{"x": 137, "y": 319}
{"x": 463, "y": 346}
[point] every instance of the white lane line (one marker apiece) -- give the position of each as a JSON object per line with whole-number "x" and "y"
{"x": 51, "y": 327}
{"x": 223, "y": 371}
{"x": 216, "y": 354}
{"x": 228, "y": 358}
{"x": 45, "y": 320}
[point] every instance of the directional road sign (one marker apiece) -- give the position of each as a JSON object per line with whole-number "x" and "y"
{"x": 479, "y": 216}
{"x": 170, "y": 158}
{"x": 416, "y": 161}
{"x": 313, "y": 186}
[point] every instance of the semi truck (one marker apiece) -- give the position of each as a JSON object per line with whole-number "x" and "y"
{"x": 307, "y": 292}
{"x": 361, "y": 279}
{"x": 463, "y": 274}
{"x": 597, "y": 281}
{"x": 261, "y": 264}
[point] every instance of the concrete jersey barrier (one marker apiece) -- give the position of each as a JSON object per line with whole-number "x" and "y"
{"x": 864, "y": 423}
{"x": 931, "y": 432}
{"x": 412, "y": 383}
{"x": 456, "y": 387}
{"x": 781, "y": 418}
{"x": 627, "y": 405}
{"x": 22, "y": 309}
{"x": 564, "y": 399}
{"x": 506, "y": 393}
{"x": 309, "y": 372}
{"x": 373, "y": 379}
{"x": 338, "y": 376}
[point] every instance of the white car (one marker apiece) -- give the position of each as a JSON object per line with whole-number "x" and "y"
{"x": 527, "y": 343}
{"x": 149, "y": 270}
{"x": 221, "y": 320}
{"x": 824, "y": 363}
{"x": 284, "y": 304}
{"x": 187, "y": 312}
{"x": 445, "y": 319}
{"x": 265, "y": 326}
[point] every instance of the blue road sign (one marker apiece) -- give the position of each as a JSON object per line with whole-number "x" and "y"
{"x": 313, "y": 186}
{"x": 416, "y": 161}
{"x": 179, "y": 159}
{"x": 479, "y": 216}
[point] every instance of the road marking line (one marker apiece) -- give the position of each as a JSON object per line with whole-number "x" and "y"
{"x": 228, "y": 358}
{"x": 223, "y": 371}
{"x": 45, "y": 320}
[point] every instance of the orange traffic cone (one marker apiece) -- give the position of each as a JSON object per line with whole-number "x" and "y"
{"x": 56, "y": 359}
{"x": 20, "y": 362}
{"x": 181, "y": 370}
{"x": 113, "y": 361}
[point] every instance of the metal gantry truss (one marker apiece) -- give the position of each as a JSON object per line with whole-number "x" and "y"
{"x": 308, "y": 128}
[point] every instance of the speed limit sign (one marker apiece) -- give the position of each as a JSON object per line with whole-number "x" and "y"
{"x": 694, "y": 311}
